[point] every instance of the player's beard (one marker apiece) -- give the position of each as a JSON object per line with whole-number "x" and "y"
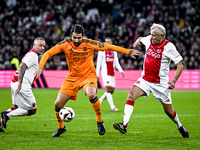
{"x": 76, "y": 43}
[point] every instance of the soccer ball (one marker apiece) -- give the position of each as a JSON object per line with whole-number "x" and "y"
{"x": 67, "y": 114}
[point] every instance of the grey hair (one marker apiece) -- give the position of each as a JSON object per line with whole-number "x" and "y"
{"x": 39, "y": 38}
{"x": 160, "y": 29}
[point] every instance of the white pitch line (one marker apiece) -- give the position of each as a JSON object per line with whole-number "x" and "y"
{"x": 136, "y": 115}
{"x": 137, "y": 132}
{"x": 104, "y": 117}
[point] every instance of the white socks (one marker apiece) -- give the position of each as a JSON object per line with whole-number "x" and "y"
{"x": 18, "y": 112}
{"x": 10, "y": 109}
{"x": 109, "y": 98}
{"x": 176, "y": 120}
{"x": 128, "y": 110}
{"x": 102, "y": 97}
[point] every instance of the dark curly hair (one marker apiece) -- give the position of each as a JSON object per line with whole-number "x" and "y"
{"x": 77, "y": 28}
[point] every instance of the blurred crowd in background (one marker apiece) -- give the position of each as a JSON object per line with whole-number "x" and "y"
{"x": 21, "y": 21}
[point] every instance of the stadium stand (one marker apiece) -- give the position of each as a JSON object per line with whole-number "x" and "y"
{"x": 123, "y": 20}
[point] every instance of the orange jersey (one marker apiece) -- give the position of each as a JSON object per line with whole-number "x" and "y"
{"x": 80, "y": 58}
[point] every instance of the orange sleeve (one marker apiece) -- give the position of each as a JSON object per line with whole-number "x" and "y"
{"x": 117, "y": 48}
{"x": 104, "y": 46}
{"x": 53, "y": 51}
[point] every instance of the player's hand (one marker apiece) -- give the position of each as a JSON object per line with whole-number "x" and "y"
{"x": 134, "y": 52}
{"x": 38, "y": 72}
{"x": 98, "y": 79}
{"x": 19, "y": 87}
{"x": 122, "y": 74}
{"x": 171, "y": 85}
{"x": 137, "y": 43}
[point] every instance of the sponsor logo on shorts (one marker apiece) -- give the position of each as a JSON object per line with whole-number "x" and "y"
{"x": 167, "y": 100}
{"x": 92, "y": 83}
{"x": 137, "y": 82}
{"x": 34, "y": 104}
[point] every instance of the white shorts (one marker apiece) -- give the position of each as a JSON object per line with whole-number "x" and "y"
{"x": 25, "y": 98}
{"x": 109, "y": 81}
{"x": 160, "y": 91}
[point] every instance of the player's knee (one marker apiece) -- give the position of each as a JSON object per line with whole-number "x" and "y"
{"x": 57, "y": 104}
{"x": 91, "y": 95}
{"x": 14, "y": 107}
{"x": 32, "y": 112}
{"x": 135, "y": 92}
{"x": 112, "y": 91}
{"x": 130, "y": 95}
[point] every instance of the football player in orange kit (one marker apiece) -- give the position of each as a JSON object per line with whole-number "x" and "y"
{"x": 79, "y": 53}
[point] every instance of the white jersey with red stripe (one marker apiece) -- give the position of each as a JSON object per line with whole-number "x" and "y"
{"x": 157, "y": 60}
{"x": 107, "y": 61}
{"x": 31, "y": 59}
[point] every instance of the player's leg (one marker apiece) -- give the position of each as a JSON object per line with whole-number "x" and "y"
{"x": 133, "y": 94}
{"x": 174, "y": 117}
{"x": 17, "y": 112}
{"x": 61, "y": 100}
{"x": 24, "y": 104}
{"x": 109, "y": 92}
{"x": 4, "y": 113}
{"x": 102, "y": 97}
{"x": 21, "y": 112}
{"x": 12, "y": 108}
{"x": 162, "y": 94}
{"x": 106, "y": 82}
{"x": 67, "y": 91}
{"x": 91, "y": 91}
{"x": 7, "y": 111}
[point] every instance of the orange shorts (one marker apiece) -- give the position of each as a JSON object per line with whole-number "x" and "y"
{"x": 72, "y": 85}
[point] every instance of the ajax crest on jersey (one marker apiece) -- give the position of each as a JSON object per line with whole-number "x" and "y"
{"x": 67, "y": 114}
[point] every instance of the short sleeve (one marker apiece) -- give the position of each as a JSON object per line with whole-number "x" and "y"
{"x": 30, "y": 59}
{"x": 172, "y": 53}
{"x": 146, "y": 40}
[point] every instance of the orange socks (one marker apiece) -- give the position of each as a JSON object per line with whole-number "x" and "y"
{"x": 97, "y": 108}
{"x": 60, "y": 122}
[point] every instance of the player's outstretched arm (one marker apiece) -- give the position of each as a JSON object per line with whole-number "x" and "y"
{"x": 137, "y": 43}
{"x": 134, "y": 52}
{"x": 38, "y": 72}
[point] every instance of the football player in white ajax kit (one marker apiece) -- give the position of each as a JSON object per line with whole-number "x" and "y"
{"x": 159, "y": 53}
{"x": 107, "y": 61}
{"x": 23, "y": 100}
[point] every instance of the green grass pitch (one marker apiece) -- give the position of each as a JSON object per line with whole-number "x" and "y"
{"x": 149, "y": 127}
